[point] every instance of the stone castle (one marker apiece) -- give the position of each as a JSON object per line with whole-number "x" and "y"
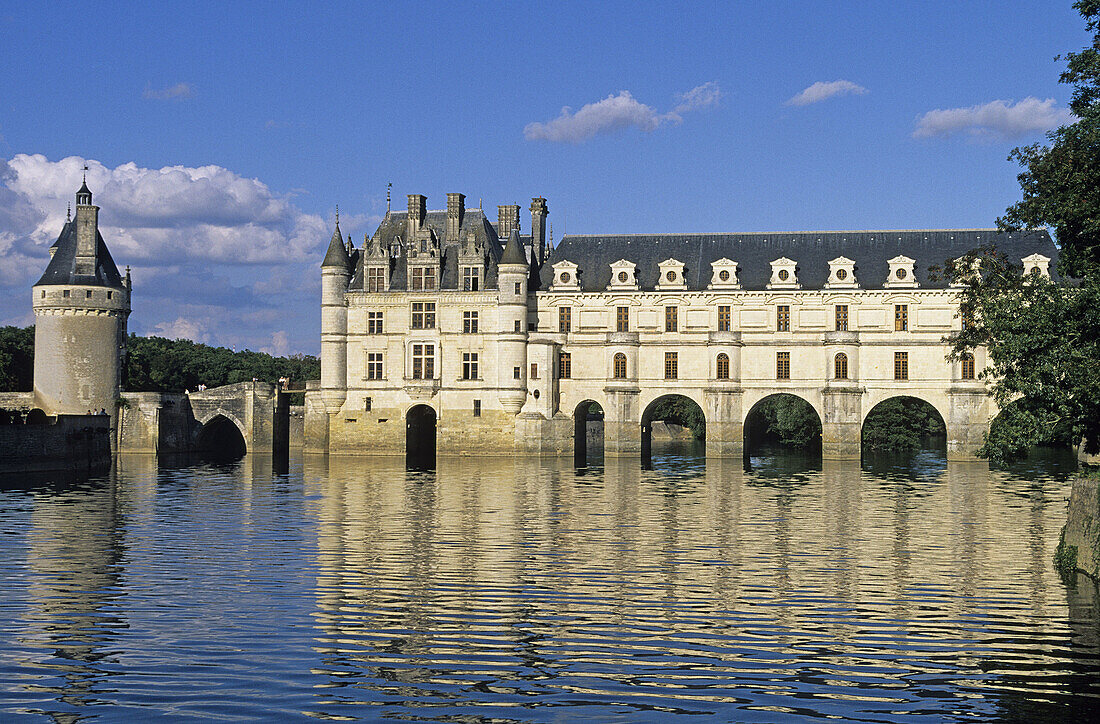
{"x": 447, "y": 332}
{"x": 445, "y": 329}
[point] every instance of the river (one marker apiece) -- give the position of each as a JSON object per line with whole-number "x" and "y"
{"x": 527, "y": 591}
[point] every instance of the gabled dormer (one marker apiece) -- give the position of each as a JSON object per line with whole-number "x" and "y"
{"x": 723, "y": 275}
{"x": 623, "y": 276}
{"x": 842, "y": 274}
{"x": 784, "y": 274}
{"x": 375, "y": 260}
{"x": 671, "y": 275}
{"x": 566, "y": 277}
{"x": 1037, "y": 264}
{"x": 902, "y": 274}
{"x": 472, "y": 255}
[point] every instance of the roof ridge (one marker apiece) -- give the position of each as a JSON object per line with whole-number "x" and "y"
{"x": 807, "y": 231}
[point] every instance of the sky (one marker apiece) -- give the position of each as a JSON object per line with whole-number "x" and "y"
{"x": 220, "y": 138}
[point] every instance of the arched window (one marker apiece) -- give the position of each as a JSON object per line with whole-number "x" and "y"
{"x": 840, "y": 366}
{"x": 967, "y": 366}
{"x": 619, "y": 364}
{"x": 723, "y": 367}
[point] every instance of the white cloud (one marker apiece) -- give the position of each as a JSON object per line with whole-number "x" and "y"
{"x": 176, "y": 92}
{"x": 823, "y": 90}
{"x": 996, "y": 119}
{"x": 615, "y": 113}
{"x": 218, "y": 258}
{"x": 279, "y": 346}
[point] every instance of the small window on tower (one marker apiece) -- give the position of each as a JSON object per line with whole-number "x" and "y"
{"x": 88, "y": 294}
{"x": 65, "y": 294}
{"x": 110, "y": 295}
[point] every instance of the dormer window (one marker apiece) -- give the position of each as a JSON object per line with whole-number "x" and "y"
{"x": 623, "y": 276}
{"x": 566, "y": 278}
{"x": 376, "y": 279}
{"x": 842, "y": 274}
{"x": 1037, "y": 265}
{"x": 724, "y": 275}
{"x": 901, "y": 273}
{"x": 422, "y": 278}
{"x": 471, "y": 278}
{"x": 671, "y": 275}
{"x": 784, "y": 274}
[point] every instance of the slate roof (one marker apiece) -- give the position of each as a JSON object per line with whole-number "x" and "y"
{"x": 60, "y": 268}
{"x": 473, "y": 220}
{"x": 812, "y": 250}
{"x": 337, "y": 254}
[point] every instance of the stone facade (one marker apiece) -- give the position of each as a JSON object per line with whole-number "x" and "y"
{"x": 504, "y": 337}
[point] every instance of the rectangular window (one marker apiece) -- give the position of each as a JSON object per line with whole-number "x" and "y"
{"x": 842, "y": 317}
{"x": 901, "y": 317}
{"x": 518, "y": 327}
{"x": 968, "y": 366}
{"x": 366, "y": 404}
{"x": 670, "y": 319}
{"x": 110, "y": 295}
{"x": 622, "y": 319}
{"x": 671, "y": 366}
{"x": 469, "y": 366}
{"x": 901, "y": 365}
{"x": 783, "y": 318}
{"x": 565, "y": 365}
{"x": 469, "y": 322}
{"x": 723, "y": 318}
{"x": 516, "y": 372}
{"x": 88, "y": 294}
{"x": 65, "y": 293}
{"x": 374, "y": 322}
{"x": 423, "y": 278}
{"x": 376, "y": 279}
{"x": 782, "y": 365}
{"x": 519, "y": 287}
{"x": 471, "y": 280}
{"x": 374, "y": 366}
{"x": 565, "y": 319}
{"x": 534, "y": 371}
{"x": 423, "y": 362}
{"x": 423, "y": 315}
{"x": 477, "y": 408}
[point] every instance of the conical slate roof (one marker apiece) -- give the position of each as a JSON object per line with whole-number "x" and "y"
{"x": 62, "y": 267}
{"x": 513, "y": 252}
{"x": 337, "y": 255}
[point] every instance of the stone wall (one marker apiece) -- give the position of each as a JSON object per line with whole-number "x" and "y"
{"x": 1083, "y": 525}
{"x": 74, "y": 443}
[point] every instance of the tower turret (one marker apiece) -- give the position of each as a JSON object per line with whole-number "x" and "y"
{"x": 81, "y": 305}
{"x": 335, "y": 275}
{"x": 512, "y": 275}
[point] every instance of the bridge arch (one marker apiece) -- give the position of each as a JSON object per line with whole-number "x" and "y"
{"x": 421, "y": 421}
{"x": 588, "y": 430}
{"x": 221, "y": 437}
{"x": 690, "y": 414}
{"x": 799, "y": 420}
{"x": 903, "y": 425}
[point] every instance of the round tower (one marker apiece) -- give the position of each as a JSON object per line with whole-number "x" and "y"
{"x": 512, "y": 275}
{"x": 81, "y": 305}
{"x": 335, "y": 276}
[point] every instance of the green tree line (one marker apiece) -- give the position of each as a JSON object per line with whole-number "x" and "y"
{"x": 156, "y": 364}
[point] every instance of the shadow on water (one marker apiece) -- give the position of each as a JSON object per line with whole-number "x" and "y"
{"x": 779, "y": 461}
{"x": 676, "y": 457}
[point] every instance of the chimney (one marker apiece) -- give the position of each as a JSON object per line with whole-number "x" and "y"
{"x": 87, "y": 226}
{"x": 539, "y": 212}
{"x": 418, "y": 205}
{"x": 456, "y": 209}
{"x": 507, "y": 219}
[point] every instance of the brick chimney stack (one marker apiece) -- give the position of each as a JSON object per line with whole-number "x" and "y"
{"x": 456, "y": 209}
{"x": 418, "y": 209}
{"x": 539, "y": 212}
{"x": 507, "y": 219}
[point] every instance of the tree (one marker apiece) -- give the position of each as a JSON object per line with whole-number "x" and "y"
{"x": 16, "y": 359}
{"x": 901, "y": 424}
{"x": 1043, "y": 336}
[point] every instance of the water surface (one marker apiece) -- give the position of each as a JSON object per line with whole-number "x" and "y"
{"x": 527, "y": 591}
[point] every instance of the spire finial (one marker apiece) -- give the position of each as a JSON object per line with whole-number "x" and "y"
{"x": 388, "y": 187}
{"x": 551, "y": 233}
{"x": 85, "y": 173}
{"x": 337, "y": 214}
{"x": 69, "y": 211}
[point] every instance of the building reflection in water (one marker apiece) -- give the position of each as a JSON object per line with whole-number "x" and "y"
{"x": 524, "y": 578}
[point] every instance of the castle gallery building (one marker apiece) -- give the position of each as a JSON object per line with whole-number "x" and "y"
{"x": 445, "y": 329}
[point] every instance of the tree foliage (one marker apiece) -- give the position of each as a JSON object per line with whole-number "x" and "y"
{"x": 155, "y": 364}
{"x": 1043, "y": 337}
{"x": 16, "y": 359}
{"x": 901, "y": 424}
{"x": 787, "y": 420}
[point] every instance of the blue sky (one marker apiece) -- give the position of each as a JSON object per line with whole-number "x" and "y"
{"x": 221, "y": 136}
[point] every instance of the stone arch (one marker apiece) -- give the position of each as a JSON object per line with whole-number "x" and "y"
{"x": 221, "y": 438}
{"x": 927, "y": 404}
{"x": 753, "y": 397}
{"x": 421, "y": 422}
{"x": 588, "y": 431}
{"x": 938, "y": 401}
{"x": 752, "y": 421}
{"x": 650, "y": 406}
